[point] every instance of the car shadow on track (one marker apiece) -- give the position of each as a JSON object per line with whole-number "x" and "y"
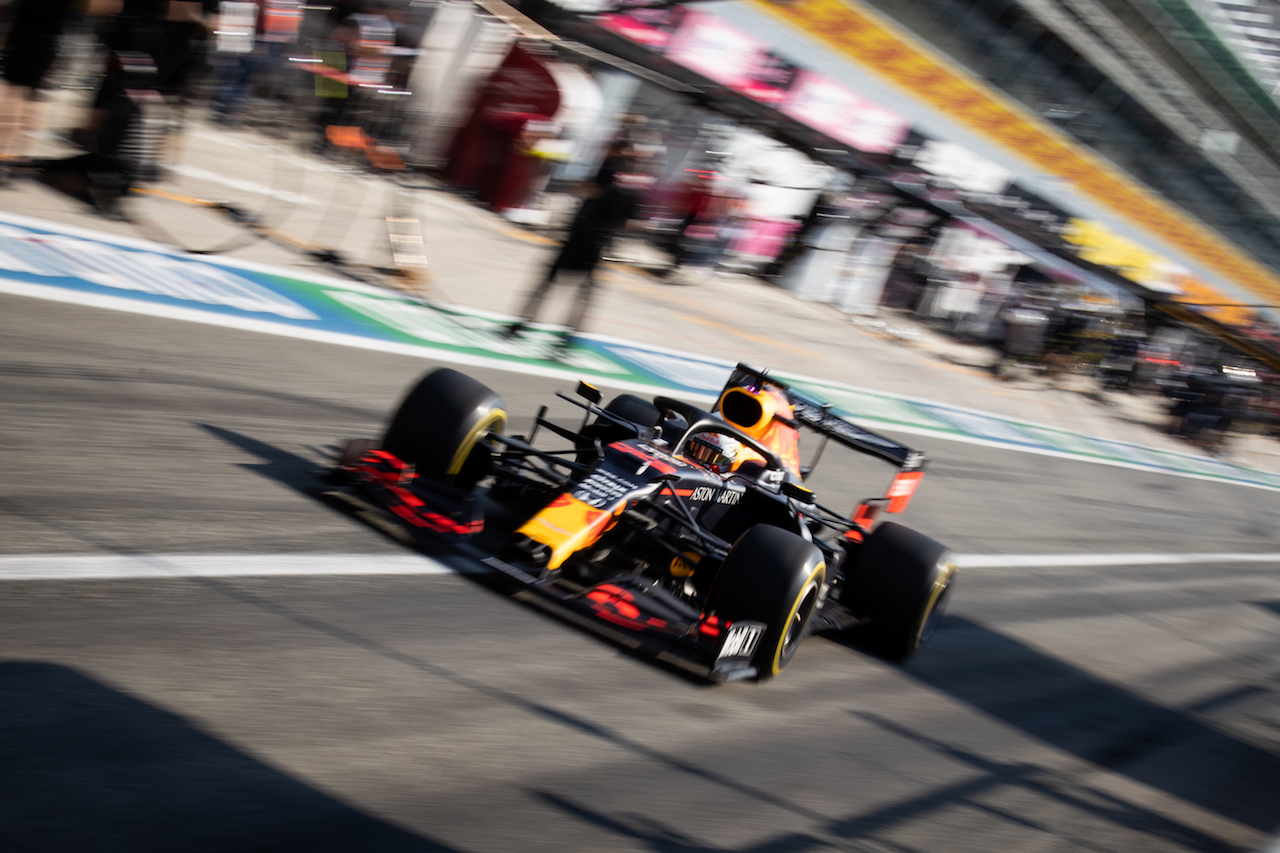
{"x": 308, "y": 477}
{"x": 298, "y": 472}
{"x": 652, "y": 832}
{"x": 1055, "y": 793}
{"x": 1019, "y": 801}
{"x": 1100, "y": 722}
{"x": 87, "y": 767}
{"x": 1013, "y": 801}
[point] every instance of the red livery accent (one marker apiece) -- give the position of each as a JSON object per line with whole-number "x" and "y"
{"x": 866, "y": 514}
{"x": 403, "y": 502}
{"x": 654, "y": 462}
{"x": 901, "y": 490}
{"x": 613, "y": 604}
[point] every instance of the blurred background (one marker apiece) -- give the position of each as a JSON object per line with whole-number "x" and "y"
{"x": 975, "y": 223}
{"x": 1130, "y": 243}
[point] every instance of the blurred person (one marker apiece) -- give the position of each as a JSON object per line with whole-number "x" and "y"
{"x": 363, "y": 42}
{"x": 823, "y": 209}
{"x": 708, "y": 210}
{"x": 29, "y": 52}
{"x": 1064, "y": 338}
{"x": 1022, "y": 330}
{"x": 610, "y": 204}
{"x": 910, "y": 274}
{"x": 123, "y": 147}
{"x": 171, "y": 32}
{"x": 275, "y": 26}
{"x": 154, "y": 46}
{"x": 822, "y": 251}
{"x": 368, "y": 35}
{"x": 1202, "y": 412}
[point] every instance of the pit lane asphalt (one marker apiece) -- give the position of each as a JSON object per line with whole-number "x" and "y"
{"x": 1107, "y": 708}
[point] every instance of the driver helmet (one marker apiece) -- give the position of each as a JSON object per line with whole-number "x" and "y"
{"x": 713, "y": 450}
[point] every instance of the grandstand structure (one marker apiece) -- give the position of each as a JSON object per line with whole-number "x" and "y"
{"x": 1176, "y": 94}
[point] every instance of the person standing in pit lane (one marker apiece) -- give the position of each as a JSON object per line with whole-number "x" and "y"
{"x": 29, "y": 52}
{"x": 609, "y": 206}
{"x": 254, "y": 58}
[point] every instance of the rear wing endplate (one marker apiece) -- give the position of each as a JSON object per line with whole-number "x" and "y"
{"x": 818, "y": 417}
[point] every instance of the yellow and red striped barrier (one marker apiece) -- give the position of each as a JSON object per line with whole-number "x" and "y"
{"x": 886, "y": 50}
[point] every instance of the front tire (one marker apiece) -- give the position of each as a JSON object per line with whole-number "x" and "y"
{"x": 439, "y": 426}
{"x": 772, "y": 576}
{"x": 900, "y": 580}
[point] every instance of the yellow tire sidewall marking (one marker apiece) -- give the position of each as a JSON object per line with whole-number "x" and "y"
{"x": 493, "y": 420}
{"x": 820, "y": 569}
{"x": 939, "y": 584}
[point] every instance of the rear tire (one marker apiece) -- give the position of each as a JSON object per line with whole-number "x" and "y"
{"x": 439, "y": 426}
{"x": 900, "y": 580}
{"x": 772, "y": 576}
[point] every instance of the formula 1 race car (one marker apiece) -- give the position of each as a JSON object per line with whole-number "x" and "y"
{"x": 692, "y": 530}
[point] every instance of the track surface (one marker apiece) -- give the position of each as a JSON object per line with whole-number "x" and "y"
{"x": 1114, "y": 708}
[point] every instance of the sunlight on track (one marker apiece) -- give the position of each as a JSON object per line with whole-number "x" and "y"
{"x": 33, "y": 567}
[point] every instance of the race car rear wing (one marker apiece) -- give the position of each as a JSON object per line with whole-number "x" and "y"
{"x": 817, "y": 416}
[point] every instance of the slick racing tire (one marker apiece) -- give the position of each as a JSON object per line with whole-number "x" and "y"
{"x": 772, "y": 576}
{"x": 900, "y": 580}
{"x": 438, "y": 427}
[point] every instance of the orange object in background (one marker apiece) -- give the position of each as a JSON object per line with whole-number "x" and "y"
{"x": 347, "y": 137}
{"x": 382, "y": 157}
{"x": 385, "y": 157}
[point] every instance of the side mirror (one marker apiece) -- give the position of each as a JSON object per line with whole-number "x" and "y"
{"x": 798, "y": 492}
{"x": 590, "y": 393}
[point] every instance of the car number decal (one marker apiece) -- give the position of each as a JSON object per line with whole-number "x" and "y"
{"x": 741, "y": 641}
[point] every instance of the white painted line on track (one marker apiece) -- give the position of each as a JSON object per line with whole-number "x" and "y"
{"x": 39, "y": 567}
{"x": 1065, "y": 561}
{"x": 236, "y": 183}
